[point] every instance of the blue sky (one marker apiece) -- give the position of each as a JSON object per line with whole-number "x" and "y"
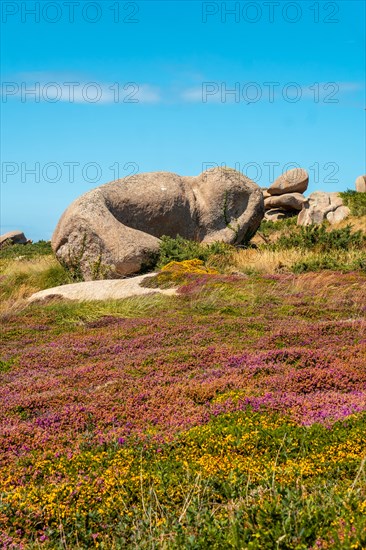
{"x": 297, "y": 70}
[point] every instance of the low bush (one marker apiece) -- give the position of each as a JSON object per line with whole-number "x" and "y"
{"x": 188, "y": 266}
{"x": 268, "y": 227}
{"x": 25, "y": 251}
{"x": 317, "y": 237}
{"x": 180, "y": 249}
{"x": 175, "y": 274}
{"x": 355, "y": 201}
{"x": 333, "y": 261}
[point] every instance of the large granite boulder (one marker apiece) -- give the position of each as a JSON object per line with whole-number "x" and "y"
{"x": 288, "y": 201}
{"x": 321, "y": 206}
{"x": 292, "y": 181}
{"x": 114, "y": 230}
{"x": 361, "y": 184}
{"x": 13, "y": 237}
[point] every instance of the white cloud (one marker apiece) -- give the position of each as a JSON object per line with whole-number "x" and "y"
{"x": 53, "y": 87}
{"x": 67, "y": 88}
{"x": 253, "y": 92}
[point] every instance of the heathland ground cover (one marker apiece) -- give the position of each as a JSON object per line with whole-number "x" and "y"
{"x": 230, "y": 416}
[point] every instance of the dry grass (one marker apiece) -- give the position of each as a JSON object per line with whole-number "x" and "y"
{"x": 275, "y": 261}
{"x": 358, "y": 223}
{"x": 327, "y": 283}
{"x": 21, "y": 278}
{"x": 265, "y": 261}
{"x": 29, "y": 267}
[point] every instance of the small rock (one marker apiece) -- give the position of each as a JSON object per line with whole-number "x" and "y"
{"x": 338, "y": 215}
{"x": 292, "y": 181}
{"x": 361, "y": 184}
{"x": 13, "y": 237}
{"x": 288, "y": 201}
{"x": 276, "y": 214}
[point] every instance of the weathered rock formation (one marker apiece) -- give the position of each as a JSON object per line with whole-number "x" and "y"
{"x": 113, "y": 231}
{"x": 285, "y": 194}
{"x": 322, "y": 206}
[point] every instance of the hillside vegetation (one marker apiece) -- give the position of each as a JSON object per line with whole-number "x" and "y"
{"x": 232, "y": 415}
{"x": 278, "y": 247}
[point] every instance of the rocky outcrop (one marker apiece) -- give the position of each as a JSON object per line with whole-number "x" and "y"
{"x": 292, "y": 181}
{"x": 322, "y": 206}
{"x": 100, "y": 290}
{"x": 13, "y": 237}
{"x": 361, "y": 184}
{"x": 113, "y": 231}
{"x": 285, "y": 196}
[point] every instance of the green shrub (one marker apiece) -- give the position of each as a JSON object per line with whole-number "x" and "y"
{"x": 26, "y": 251}
{"x": 355, "y": 201}
{"x": 5, "y": 366}
{"x": 268, "y": 227}
{"x": 180, "y": 249}
{"x": 333, "y": 261}
{"x": 316, "y": 237}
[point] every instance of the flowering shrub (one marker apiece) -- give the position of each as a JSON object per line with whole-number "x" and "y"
{"x": 188, "y": 266}
{"x": 180, "y": 249}
{"x": 177, "y": 273}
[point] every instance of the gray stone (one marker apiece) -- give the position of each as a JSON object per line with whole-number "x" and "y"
{"x": 338, "y": 215}
{"x": 114, "y": 230}
{"x": 288, "y": 201}
{"x": 13, "y": 237}
{"x": 292, "y": 181}
{"x": 361, "y": 184}
{"x": 276, "y": 214}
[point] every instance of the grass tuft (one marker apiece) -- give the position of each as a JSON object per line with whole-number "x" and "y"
{"x": 21, "y": 278}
